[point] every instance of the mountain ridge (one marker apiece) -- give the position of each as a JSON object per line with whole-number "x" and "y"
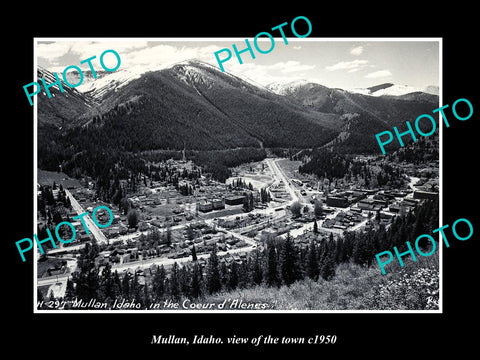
{"x": 192, "y": 104}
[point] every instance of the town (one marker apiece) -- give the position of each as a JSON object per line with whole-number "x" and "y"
{"x": 164, "y": 223}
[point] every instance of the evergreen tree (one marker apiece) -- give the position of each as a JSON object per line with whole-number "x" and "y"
{"x": 327, "y": 267}
{"x": 312, "y": 261}
{"x": 168, "y": 236}
{"x": 184, "y": 277}
{"x": 243, "y": 275}
{"x": 195, "y": 285}
{"x": 86, "y": 279}
{"x": 116, "y": 285}
{"x": 106, "y": 283}
{"x": 233, "y": 276}
{"x": 256, "y": 268}
{"x": 137, "y": 292}
{"x": 174, "y": 282}
{"x": 315, "y": 227}
{"x": 158, "y": 283}
{"x": 69, "y": 292}
{"x": 318, "y": 208}
{"x": 194, "y": 253}
{"x": 224, "y": 274}
{"x": 126, "y": 293}
{"x": 288, "y": 261}
{"x": 147, "y": 300}
{"x": 132, "y": 218}
{"x": 296, "y": 209}
{"x": 271, "y": 275}
{"x": 190, "y": 233}
{"x": 213, "y": 274}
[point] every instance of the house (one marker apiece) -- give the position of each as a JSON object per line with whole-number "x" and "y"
{"x": 366, "y": 204}
{"x": 337, "y": 201}
{"x": 205, "y": 206}
{"x": 218, "y": 204}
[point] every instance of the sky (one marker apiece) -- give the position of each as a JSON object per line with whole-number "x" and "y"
{"x": 338, "y": 63}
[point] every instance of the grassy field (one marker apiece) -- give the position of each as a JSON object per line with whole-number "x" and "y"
{"x": 48, "y": 177}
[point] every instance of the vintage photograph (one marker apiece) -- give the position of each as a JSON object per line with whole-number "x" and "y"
{"x": 164, "y": 184}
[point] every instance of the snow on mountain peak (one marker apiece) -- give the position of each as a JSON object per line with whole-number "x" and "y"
{"x": 284, "y": 88}
{"x": 109, "y": 82}
{"x": 389, "y": 89}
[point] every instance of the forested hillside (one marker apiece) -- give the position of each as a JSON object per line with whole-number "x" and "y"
{"x": 282, "y": 264}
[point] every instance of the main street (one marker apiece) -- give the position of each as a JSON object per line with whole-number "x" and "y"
{"x": 92, "y": 227}
{"x": 280, "y": 176}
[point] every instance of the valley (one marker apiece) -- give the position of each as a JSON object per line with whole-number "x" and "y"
{"x": 207, "y": 173}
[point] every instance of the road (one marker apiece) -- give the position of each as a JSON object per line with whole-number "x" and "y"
{"x": 92, "y": 227}
{"x": 278, "y": 173}
{"x": 52, "y": 280}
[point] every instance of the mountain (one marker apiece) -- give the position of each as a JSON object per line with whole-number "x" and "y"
{"x": 363, "y": 115}
{"x": 65, "y": 108}
{"x": 389, "y": 89}
{"x": 195, "y": 106}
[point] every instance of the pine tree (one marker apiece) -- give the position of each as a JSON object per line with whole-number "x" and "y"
{"x": 224, "y": 274}
{"x": 132, "y": 218}
{"x": 136, "y": 290}
{"x": 168, "y": 237}
{"x": 243, "y": 276}
{"x": 184, "y": 282}
{"x": 69, "y": 292}
{"x": 233, "y": 276}
{"x": 195, "y": 285}
{"x": 312, "y": 262}
{"x": 271, "y": 275}
{"x": 194, "y": 253}
{"x": 126, "y": 286}
{"x": 213, "y": 274}
{"x": 315, "y": 227}
{"x": 174, "y": 282}
{"x": 327, "y": 267}
{"x": 116, "y": 285}
{"x": 256, "y": 269}
{"x": 158, "y": 283}
{"x": 147, "y": 300}
{"x": 106, "y": 283}
{"x": 288, "y": 261}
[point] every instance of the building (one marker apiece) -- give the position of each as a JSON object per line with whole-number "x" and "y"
{"x": 218, "y": 204}
{"x": 419, "y": 194}
{"x": 337, "y": 201}
{"x": 366, "y": 204}
{"x": 234, "y": 199}
{"x": 205, "y": 206}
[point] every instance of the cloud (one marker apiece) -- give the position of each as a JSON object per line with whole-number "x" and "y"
{"x": 358, "y": 50}
{"x": 136, "y": 55}
{"x": 348, "y": 65}
{"x": 86, "y": 49}
{"x": 378, "y": 74}
{"x": 53, "y": 51}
